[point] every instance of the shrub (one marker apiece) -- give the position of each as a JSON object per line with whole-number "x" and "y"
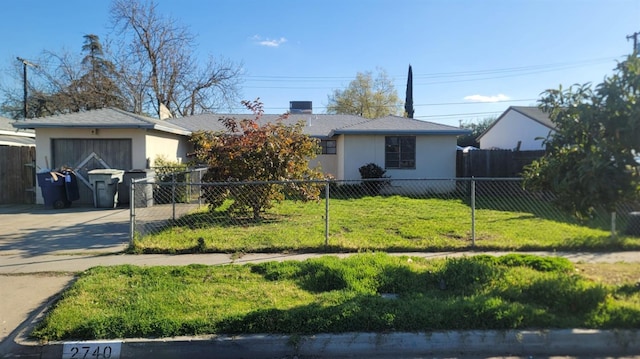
{"x": 372, "y": 174}
{"x": 170, "y": 171}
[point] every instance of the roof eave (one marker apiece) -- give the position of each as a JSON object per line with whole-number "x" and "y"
{"x": 145, "y": 126}
{"x": 172, "y": 130}
{"x": 18, "y": 133}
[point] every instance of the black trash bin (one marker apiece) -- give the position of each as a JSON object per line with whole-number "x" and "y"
{"x": 71, "y": 185}
{"x": 53, "y": 189}
{"x": 144, "y": 190}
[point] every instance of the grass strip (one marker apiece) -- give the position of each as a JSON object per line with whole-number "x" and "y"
{"x": 370, "y": 292}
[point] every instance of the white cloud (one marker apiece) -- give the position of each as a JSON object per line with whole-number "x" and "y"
{"x": 481, "y": 98}
{"x": 269, "y": 42}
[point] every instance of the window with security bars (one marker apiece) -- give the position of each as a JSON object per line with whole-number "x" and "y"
{"x": 400, "y": 152}
{"x": 328, "y": 147}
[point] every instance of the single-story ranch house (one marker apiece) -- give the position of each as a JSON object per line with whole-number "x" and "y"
{"x": 112, "y": 138}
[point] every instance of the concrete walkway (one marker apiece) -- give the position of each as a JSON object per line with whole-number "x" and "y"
{"x": 40, "y": 252}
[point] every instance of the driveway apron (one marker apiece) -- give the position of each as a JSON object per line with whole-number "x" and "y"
{"x": 33, "y": 230}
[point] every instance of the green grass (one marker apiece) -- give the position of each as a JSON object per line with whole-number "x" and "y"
{"x": 331, "y": 295}
{"x": 389, "y": 224}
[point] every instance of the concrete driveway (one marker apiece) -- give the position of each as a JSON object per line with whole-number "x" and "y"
{"x": 32, "y": 230}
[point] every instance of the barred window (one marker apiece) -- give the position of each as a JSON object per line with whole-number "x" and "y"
{"x": 400, "y": 152}
{"x": 328, "y": 147}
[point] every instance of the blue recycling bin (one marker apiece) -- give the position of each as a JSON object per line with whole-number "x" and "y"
{"x": 53, "y": 189}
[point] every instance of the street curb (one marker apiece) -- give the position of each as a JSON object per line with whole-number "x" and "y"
{"x": 569, "y": 342}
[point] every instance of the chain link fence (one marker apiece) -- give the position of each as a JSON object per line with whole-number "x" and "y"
{"x": 160, "y": 203}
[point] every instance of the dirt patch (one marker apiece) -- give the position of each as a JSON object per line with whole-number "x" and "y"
{"x": 610, "y": 273}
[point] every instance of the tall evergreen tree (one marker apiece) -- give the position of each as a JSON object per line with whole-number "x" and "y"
{"x": 408, "y": 102}
{"x": 97, "y": 85}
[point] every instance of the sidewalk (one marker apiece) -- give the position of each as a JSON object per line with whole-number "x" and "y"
{"x": 35, "y": 281}
{"x": 16, "y": 264}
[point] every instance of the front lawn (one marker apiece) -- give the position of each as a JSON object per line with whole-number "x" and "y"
{"x": 387, "y": 224}
{"x": 362, "y": 293}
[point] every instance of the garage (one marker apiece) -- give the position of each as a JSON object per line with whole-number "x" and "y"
{"x": 104, "y": 138}
{"x": 83, "y": 155}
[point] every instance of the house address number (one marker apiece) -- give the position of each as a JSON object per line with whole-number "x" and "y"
{"x": 91, "y": 350}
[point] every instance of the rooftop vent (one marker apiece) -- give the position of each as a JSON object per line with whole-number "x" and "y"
{"x": 300, "y": 107}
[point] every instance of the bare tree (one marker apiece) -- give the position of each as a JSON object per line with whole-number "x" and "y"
{"x": 50, "y": 87}
{"x": 62, "y": 82}
{"x": 158, "y": 56}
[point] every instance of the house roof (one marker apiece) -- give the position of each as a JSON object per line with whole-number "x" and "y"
{"x": 536, "y": 114}
{"x": 6, "y": 140}
{"x": 11, "y": 136}
{"x": 532, "y": 112}
{"x": 315, "y": 125}
{"x": 396, "y": 125}
{"x": 322, "y": 125}
{"x": 319, "y": 125}
{"x": 102, "y": 118}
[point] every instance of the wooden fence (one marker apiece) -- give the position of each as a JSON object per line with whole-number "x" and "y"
{"x": 17, "y": 175}
{"x": 494, "y": 163}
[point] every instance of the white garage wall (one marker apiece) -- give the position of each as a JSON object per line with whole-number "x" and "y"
{"x": 173, "y": 146}
{"x": 45, "y": 135}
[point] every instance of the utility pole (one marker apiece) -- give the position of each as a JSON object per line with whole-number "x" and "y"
{"x": 25, "y": 63}
{"x": 634, "y": 36}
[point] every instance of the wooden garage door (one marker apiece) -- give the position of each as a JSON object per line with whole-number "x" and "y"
{"x": 84, "y": 155}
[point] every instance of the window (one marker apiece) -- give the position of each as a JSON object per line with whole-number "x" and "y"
{"x": 328, "y": 147}
{"x": 400, "y": 152}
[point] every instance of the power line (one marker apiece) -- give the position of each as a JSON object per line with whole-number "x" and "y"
{"x": 465, "y": 114}
{"x": 475, "y": 103}
{"x": 451, "y": 77}
{"x": 421, "y": 105}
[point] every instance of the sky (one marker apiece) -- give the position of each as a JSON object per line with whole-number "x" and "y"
{"x": 471, "y": 60}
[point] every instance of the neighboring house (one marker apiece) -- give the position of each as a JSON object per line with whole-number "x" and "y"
{"x": 518, "y": 128}
{"x": 11, "y": 136}
{"x": 106, "y": 138}
{"x": 406, "y": 148}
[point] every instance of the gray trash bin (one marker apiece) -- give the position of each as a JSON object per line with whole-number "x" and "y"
{"x": 144, "y": 189}
{"x": 105, "y": 186}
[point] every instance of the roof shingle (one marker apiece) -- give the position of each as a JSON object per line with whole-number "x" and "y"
{"x": 102, "y": 118}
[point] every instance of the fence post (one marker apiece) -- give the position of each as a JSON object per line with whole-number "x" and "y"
{"x": 173, "y": 195}
{"x": 199, "y": 188}
{"x": 132, "y": 211}
{"x": 326, "y": 214}
{"x": 613, "y": 224}
{"x": 473, "y": 212}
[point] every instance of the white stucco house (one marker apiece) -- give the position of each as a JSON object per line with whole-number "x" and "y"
{"x": 112, "y": 138}
{"x": 518, "y": 128}
{"x": 105, "y": 138}
{"x": 406, "y": 148}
